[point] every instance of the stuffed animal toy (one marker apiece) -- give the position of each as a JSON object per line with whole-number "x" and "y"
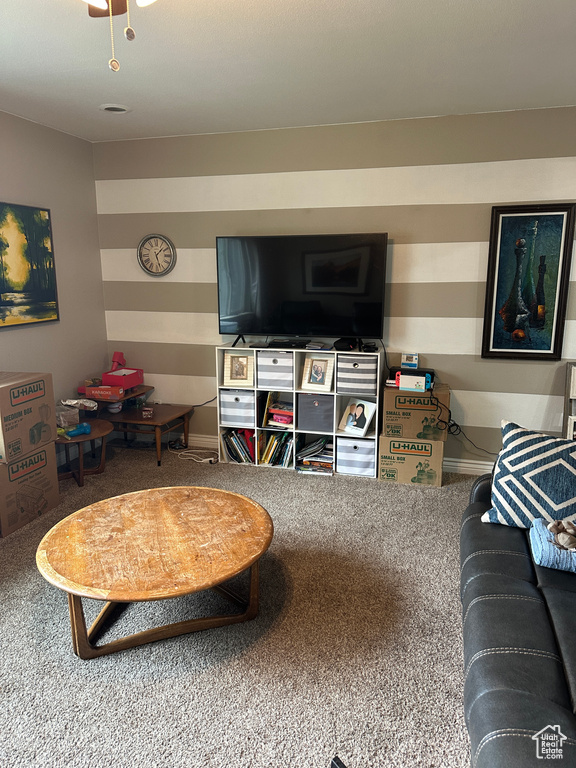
{"x": 564, "y": 534}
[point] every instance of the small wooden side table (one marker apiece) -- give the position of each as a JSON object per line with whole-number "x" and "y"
{"x": 155, "y": 544}
{"x": 99, "y": 429}
{"x": 165, "y": 418}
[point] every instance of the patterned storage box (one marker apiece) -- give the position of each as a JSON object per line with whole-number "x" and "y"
{"x": 237, "y": 408}
{"x": 315, "y": 413}
{"x": 355, "y": 457}
{"x": 357, "y": 374}
{"x": 275, "y": 370}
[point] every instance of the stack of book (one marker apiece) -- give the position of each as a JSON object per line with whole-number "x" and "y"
{"x": 238, "y": 445}
{"x": 279, "y": 414}
{"x": 316, "y": 458}
{"x": 276, "y": 450}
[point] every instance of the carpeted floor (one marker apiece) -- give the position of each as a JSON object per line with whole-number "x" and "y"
{"x": 356, "y": 650}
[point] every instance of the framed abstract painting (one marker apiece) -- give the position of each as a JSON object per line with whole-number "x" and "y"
{"x": 27, "y": 276}
{"x": 527, "y": 284}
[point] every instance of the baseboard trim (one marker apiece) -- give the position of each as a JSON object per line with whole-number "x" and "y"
{"x": 467, "y": 466}
{"x": 203, "y": 441}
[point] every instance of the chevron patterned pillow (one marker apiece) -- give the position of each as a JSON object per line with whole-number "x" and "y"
{"x": 534, "y": 477}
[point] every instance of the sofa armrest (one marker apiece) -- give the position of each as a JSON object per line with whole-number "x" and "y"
{"x": 481, "y": 490}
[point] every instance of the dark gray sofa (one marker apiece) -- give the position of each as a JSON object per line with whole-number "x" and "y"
{"x": 519, "y": 625}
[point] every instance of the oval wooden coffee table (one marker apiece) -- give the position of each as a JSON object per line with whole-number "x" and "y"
{"x": 154, "y": 545}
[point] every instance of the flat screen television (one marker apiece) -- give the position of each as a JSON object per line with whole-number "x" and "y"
{"x": 322, "y": 286}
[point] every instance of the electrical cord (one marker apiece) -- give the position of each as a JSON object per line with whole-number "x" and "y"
{"x": 450, "y": 426}
{"x": 191, "y": 454}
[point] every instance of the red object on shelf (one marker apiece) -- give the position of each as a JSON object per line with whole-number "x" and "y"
{"x": 123, "y": 377}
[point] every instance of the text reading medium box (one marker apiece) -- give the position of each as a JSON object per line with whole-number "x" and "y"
{"x": 27, "y": 413}
{"x": 416, "y": 414}
{"x": 412, "y": 461}
{"x": 28, "y": 488}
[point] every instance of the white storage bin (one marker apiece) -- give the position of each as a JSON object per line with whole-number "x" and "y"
{"x": 355, "y": 457}
{"x": 357, "y": 374}
{"x": 275, "y": 370}
{"x": 237, "y": 408}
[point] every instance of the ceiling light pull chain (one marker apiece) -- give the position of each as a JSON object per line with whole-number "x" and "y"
{"x": 129, "y": 33}
{"x": 113, "y": 63}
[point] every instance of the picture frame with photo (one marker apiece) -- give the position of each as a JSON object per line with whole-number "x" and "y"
{"x": 357, "y": 416}
{"x": 318, "y": 373}
{"x": 238, "y": 369}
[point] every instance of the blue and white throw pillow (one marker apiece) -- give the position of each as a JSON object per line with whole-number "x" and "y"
{"x": 534, "y": 477}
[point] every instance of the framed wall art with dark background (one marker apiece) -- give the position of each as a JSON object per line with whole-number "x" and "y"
{"x": 527, "y": 283}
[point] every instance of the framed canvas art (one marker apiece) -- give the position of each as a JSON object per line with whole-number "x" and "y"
{"x": 27, "y": 275}
{"x": 527, "y": 283}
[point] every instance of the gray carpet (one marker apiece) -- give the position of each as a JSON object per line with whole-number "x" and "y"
{"x": 356, "y": 650}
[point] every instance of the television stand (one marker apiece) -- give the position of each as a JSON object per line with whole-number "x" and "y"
{"x": 288, "y": 343}
{"x": 238, "y": 338}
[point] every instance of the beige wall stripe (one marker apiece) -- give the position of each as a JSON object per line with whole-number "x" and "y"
{"x": 157, "y": 296}
{"x": 175, "y": 359}
{"x": 425, "y": 141}
{"x": 405, "y": 224}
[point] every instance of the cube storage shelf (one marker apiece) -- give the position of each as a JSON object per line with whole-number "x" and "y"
{"x": 312, "y": 387}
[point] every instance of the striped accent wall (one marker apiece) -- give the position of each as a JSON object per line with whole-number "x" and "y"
{"x": 430, "y": 183}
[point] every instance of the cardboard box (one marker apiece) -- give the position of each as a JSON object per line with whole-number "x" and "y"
{"x": 415, "y": 414}
{"x": 410, "y": 461}
{"x": 105, "y": 393}
{"x": 27, "y": 413}
{"x": 28, "y": 488}
{"x": 125, "y": 377}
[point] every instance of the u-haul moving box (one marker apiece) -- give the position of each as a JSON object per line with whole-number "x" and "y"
{"x": 416, "y": 414}
{"x": 28, "y": 488}
{"x": 410, "y": 460}
{"x": 27, "y": 413}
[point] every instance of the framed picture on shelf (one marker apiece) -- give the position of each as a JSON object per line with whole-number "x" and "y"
{"x": 527, "y": 283}
{"x": 238, "y": 369}
{"x": 318, "y": 373}
{"x": 357, "y": 416}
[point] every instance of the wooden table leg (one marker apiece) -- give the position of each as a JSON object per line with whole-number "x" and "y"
{"x": 158, "y": 437}
{"x": 186, "y": 427}
{"x": 85, "y": 648}
{"x": 80, "y": 477}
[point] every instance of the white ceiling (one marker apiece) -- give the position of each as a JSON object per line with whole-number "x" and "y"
{"x": 209, "y": 66}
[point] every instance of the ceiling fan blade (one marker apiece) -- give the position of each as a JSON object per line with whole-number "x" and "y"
{"x": 98, "y": 4}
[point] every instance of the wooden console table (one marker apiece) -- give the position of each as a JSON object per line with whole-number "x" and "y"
{"x": 165, "y": 418}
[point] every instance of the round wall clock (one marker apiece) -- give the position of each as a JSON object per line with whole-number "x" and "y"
{"x": 156, "y": 255}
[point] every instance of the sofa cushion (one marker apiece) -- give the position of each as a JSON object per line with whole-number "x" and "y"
{"x": 534, "y": 477}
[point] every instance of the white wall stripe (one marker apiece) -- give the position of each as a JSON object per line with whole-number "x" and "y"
{"x": 437, "y": 263}
{"x": 193, "y": 265}
{"x": 434, "y": 335}
{"x": 192, "y": 390}
{"x": 168, "y": 327}
{"x": 487, "y": 409}
{"x": 503, "y": 182}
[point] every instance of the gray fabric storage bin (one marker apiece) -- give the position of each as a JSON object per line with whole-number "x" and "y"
{"x": 355, "y": 457}
{"x": 315, "y": 412}
{"x": 275, "y": 370}
{"x": 357, "y": 374}
{"x": 237, "y": 408}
